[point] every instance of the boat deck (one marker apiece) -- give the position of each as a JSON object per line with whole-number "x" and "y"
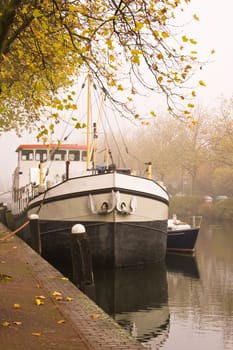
{"x": 40, "y": 309}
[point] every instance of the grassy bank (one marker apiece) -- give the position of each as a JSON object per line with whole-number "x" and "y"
{"x": 196, "y": 205}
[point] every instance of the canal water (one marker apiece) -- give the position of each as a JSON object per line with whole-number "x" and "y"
{"x": 186, "y": 303}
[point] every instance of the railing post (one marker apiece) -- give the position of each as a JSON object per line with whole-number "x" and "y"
{"x": 35, "y": 233}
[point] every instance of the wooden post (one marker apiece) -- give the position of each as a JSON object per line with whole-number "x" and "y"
{"x": 35, "y": 233}
{"x": 81, "y": 257}
{"x": 67, "y": 169}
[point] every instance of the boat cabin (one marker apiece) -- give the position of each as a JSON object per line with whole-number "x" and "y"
{"x": 41, "y": 166}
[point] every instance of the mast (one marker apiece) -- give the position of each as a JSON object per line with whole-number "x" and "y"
{"x": 88, "y": 121}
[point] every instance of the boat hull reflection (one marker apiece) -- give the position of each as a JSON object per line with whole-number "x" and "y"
{"x": 137, "y": 298}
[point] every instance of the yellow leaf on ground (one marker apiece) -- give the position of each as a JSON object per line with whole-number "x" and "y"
{"x": 95, "y": 316}
{"x": 39, "y": 301}
{"x": 56, "y": 293}
{"x": 61, "y": 321}
{"x": 37, "y": 334}
{"x": 16, "y": 306}
{"x": 17, "y": 323}
{"x": 5, "y": 324}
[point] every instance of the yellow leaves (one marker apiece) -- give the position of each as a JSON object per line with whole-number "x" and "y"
{"x": 160, "y": 79}
{"x": 95, "y": 316}
{"x": 184, "y": 38}
{"x": 120, "y": 87}
{"x": 191, "y": 105}
{"x": 194, "y": 93}
{"x": 36, "y": 13}
{"x": 160, "y": 56}
{"x": 39, "y": 300}
{"x": 136, "y": 59}
{"x": 165, "y": 35}
{"x": 61, "y": 321}
{"x": 69, "y": 299}
{"x": 59, "y": 297}
{"x": 138, "y": 26}
{"x": 202, "y": 83}
{"x": 8, "y": 324}
{"x": 109, "y": 44}
{"x": 193, "y": 41}
{"x": 111, "y": 58}
{"x": 16, "y": 306}
{"x": 212, "y": 52}
{"x": 112, "y": 82}
{"x": 153, "y": 114}
{"x": 36, "y": 334}
{"x": 195, "y": 16}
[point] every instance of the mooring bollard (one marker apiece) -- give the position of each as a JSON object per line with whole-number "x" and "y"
{"x": 81, "y": 257}
{"x": 35, "y": 233}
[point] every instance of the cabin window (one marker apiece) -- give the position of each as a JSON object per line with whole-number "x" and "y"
{"x": 41, "y": 155}
{"x": 57, "y": 155}
{"x": 27, "y": 155}
{"x": 84, "y": 156}
{"x": 74, "y": 155}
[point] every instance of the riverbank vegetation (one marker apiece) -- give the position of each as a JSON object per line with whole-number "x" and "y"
{"x": 220, "y": 210}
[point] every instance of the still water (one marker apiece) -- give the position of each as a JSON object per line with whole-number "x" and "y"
{"x": 185, "y": 304}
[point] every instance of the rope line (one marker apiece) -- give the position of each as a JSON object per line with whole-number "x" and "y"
{"x": 9, "y": 235}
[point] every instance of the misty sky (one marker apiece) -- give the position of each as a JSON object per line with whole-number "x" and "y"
{"x": 213, "y": 31}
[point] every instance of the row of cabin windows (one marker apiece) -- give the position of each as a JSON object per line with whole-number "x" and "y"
{"x": 43, "y": 155}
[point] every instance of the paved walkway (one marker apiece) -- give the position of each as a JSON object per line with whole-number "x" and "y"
{"x": 40, "y": 309}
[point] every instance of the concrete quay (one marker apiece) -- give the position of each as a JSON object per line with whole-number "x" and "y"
{"x": 41, "y": 309}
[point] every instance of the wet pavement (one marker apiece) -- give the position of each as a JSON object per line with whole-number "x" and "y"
{"x": 42, "y": 309}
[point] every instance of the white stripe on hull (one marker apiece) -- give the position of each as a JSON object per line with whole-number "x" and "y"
{"x": 70, "y": 209}
{"x": 108, "y": 197}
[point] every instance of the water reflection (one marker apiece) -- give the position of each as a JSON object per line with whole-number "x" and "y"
{"x": 201, "y": 308}
{"x": 187, "y": 304}
{"x": 183, "y": 264}
{"x": 138, "y": 300}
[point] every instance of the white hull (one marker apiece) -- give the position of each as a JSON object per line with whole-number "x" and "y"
{"x": 125, "y": 217}
{"x": 110, "y": 197}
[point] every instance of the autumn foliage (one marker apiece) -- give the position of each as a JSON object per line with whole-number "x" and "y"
{"x": 127, "y": 46}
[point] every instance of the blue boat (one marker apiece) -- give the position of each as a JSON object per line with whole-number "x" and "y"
{"x": 182, "y": 235}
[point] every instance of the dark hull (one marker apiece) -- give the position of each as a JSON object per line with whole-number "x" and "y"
{"x": 182, "y": 240}
{"x": 112, "y": 244}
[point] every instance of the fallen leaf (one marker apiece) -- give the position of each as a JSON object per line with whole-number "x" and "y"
{"x": 17, "y": 323}
{"x": 39, "y": 301}
{"x": 16, "y": 306}
{"x": 61, "y": 321}
{"x": 56, "y": 293}
{"x": 40, "y": 297}
{"x": 69, "y": 298}
{"x": 5, "y": 324}
{"x": 4, "y": 277}
{"x": 95, "y": 316}
{"x": 36, "y": 334}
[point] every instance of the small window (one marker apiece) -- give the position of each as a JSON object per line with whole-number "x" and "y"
{"x": 74, "y": 155}
{"x": 27, "y": 155}
{"x": 84, "y": 156}
{"x": 41, "y": 155}
{"x": 57, "y": 155}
